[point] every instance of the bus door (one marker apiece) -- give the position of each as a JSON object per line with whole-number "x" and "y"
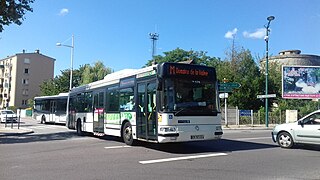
{"x": 146, "y": 111}
{"x": 52, "y": 110}
{"x": 98, "y": 112}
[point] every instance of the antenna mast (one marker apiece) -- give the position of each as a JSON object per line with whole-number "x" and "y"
{"x": 154, "y": 37}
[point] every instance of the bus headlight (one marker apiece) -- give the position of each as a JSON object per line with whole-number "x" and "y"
{"x": 168, "y": 129}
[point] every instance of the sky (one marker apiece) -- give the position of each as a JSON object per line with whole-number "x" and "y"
{"x": 116, "y": 32}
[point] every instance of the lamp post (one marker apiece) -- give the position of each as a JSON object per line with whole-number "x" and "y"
{"x": 270, "y": 18}
{"x": 71, "y": 70}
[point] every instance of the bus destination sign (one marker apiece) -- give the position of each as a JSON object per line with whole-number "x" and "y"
{"x": 173, "y": 70}
{"x": 186, "y": 71}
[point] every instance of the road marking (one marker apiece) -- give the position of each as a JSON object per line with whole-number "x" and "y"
{"x": 244, "y": 139}
{"x": 181, "y": 158}
{"x": 116, "y": 147}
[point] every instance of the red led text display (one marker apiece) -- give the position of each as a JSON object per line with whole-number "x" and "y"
{"x": 173, "y": 70}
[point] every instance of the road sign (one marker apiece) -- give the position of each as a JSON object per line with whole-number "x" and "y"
{"x": 225, "y": 89}
{"x": 267, "y": 96}
{"x": 230, "y": 85}
{"x": 245, "y": 112}
{"x": 223, "y": 95}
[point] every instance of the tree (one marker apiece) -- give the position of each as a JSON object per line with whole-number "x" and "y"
{"x": 13, "y": 11}
{"x": 95, "y": 73}
{"x": 84, "y": 75}
{"x": 178, "y": 55}
{"x": 241, "y": 68}
{"x": 59, "y": 84}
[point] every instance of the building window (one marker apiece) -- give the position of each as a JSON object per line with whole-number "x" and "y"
{"x": 24, "y": 102}
{"x": 25, "y": 91}
{"x": 26, "y": 70}
{"x": 25, "y": 81}
{"x": 27, "y": 61}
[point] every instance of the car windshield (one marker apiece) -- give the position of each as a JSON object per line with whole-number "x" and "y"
{"x": 312, "y": 119}
{"x": 7, "y": 112}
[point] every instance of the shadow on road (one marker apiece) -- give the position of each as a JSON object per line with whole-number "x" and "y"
{"x": 36, "y": 137}
{"x": 223, "y": 145}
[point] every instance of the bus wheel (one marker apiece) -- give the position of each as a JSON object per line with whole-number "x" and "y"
{"x": 43, "y": 119}
{"x": 79, "y": 130}
{"x": 127, "y": 134}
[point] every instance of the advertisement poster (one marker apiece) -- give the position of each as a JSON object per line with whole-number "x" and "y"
{"x": 301, "y": 82}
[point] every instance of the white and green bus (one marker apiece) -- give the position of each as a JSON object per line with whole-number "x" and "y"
{"x": 51, "y": 109}
{"x": 168, "y": 102}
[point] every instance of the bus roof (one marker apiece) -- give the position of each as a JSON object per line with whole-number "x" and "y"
{"x": 53, "y": 97}
{"x": 113, "y": 78}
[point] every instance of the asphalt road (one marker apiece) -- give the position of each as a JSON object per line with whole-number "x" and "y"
{"x": 54, "y": 152}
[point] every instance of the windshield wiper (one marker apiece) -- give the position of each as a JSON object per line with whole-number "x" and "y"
{"x": 182, "y": 109}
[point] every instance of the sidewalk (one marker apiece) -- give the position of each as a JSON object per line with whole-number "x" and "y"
{"x": 8, "y": 131}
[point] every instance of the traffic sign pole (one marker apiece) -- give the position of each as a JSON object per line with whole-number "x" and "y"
{"x": 227, "y": 87}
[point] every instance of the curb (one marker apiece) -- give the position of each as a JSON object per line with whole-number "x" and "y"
{"x": 16, "y": 131}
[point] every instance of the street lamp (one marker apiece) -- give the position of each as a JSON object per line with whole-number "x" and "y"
{"x": 270, "y": 18}
{"x": 71, "y": 70}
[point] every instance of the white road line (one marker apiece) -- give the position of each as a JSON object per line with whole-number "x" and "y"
{"x": 244, "y": 139}
{"x": 181, "y": 158}
{"x": 116, "y": 147}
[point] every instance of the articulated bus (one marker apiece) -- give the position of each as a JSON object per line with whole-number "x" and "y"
{"x": 168, "y": 102}
{"x": 51, "y": 109}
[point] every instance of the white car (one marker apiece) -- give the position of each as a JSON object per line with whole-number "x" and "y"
{"x": 304, "y": 131}
{"x": 8, "y": 115}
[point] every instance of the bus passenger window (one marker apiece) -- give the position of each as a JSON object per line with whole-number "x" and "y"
{"x": 130, "y": 104}
{"x": 126, "y": 99}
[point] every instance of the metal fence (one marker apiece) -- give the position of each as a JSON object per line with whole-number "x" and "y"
{"x": 257, "y": 118}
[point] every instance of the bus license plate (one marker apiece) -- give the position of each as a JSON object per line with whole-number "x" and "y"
{"x": 197, "y": 136}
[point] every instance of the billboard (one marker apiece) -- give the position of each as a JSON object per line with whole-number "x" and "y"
{"x": 301, "y": 82}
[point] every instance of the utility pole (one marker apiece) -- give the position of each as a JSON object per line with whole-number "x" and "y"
{"x": 154, "y": 37}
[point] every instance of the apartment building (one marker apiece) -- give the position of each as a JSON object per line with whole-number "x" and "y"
{"x": 21, "y": 76}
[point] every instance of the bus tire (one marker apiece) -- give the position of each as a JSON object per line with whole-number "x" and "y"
{"x": 43, "y": 119}
{"x": 127, "y": 134}
{"x": 79, "y": 130}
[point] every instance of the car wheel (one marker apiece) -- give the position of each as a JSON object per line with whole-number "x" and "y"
{"x": 127, "y": 134}
{"x": 285, "y": 140}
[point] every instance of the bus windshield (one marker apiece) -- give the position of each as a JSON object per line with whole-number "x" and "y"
{"x": 194, "y": 97}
